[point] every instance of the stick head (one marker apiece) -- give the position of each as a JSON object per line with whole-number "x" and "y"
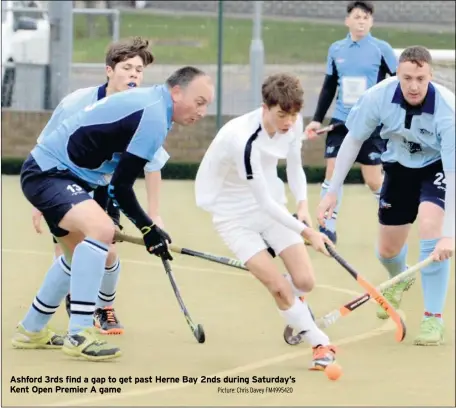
{"x": 199, "y": 334}
{"x": 401, "y": 331}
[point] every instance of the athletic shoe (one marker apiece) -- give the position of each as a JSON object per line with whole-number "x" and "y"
{"x": 394, "y": 296}
{"x": 322, "y": 357}
{"x": 86, "y": 344}
{"x": 44, "y": 339}
{"x": 106, "y": 321}
{"x": 431, "y": 332}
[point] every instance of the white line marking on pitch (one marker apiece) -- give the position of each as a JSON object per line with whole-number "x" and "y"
{"x": 388, "y": 326}
{"x": 190, "y": 268}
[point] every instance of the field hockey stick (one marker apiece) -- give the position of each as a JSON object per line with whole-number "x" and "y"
{"x": 197, "y": 329}
{"x": 374, "y": 293}
{"x": 333, "y": 316}
{"x": 324, "y": 130}
{"x": 234, "y": 263}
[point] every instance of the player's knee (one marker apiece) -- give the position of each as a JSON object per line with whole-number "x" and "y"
{"x": 373, "y": 177}
{"x": 281, "y": 291}
{"x": 374, "y": 183}
{"x": 304, "y": 282}
{"x": 387, "y": 251}
{"x": 103, "y": 231}
{"x": 430, "y": 220}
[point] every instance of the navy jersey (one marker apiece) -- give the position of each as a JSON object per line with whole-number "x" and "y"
{"x": 91, "y": 142}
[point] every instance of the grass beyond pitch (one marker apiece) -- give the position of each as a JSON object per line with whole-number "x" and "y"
{"x": 193, "y": 40}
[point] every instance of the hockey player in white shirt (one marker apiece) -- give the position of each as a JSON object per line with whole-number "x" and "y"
{"x": 237, "y": 183}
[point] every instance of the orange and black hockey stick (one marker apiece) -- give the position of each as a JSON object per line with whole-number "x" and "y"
{"x": 332, "y": 317}
{"x": 374, "y": 293}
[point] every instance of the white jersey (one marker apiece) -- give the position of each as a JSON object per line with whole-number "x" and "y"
{"x": 238, "y": 173}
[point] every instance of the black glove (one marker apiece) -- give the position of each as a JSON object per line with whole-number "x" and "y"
{"x": 155, "y": 240}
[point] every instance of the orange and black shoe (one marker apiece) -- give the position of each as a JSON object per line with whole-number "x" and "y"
{"x": 106, "y": 321}
{"x": 323, "y": 356}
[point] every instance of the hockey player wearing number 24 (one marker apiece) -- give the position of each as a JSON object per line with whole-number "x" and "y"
{"x": 418, "y": 121}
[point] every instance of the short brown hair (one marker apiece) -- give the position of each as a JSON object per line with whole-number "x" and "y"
{"x": 283, "y": 90}
{"x": 417, "y": 54}
{"x": 129, "y": 48}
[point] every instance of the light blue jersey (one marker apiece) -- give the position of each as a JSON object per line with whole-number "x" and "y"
{"x": 90, "y": 142}
{"x": 417, "y": 136}
{"x": 76, "y": 102}
{"x": 357, "y": 66}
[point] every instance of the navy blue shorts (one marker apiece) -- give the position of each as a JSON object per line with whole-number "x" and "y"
{"x": 404, "y": 189}
{"x": 53, "y": 192}
{"x": 370, "y": 152}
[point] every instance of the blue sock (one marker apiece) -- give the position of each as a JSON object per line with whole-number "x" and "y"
{"x": 87, "y": 270}
{"x": 395, "y": 265}
{"x": 107, "y": 292}
{"x": 53, "y": 290}
{"x": 434, "y": 279}
{"x": 331, "y": 223}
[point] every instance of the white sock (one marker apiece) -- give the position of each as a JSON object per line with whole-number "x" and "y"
{"x": 299, "y": 317}
{"x": 296, "y": 291}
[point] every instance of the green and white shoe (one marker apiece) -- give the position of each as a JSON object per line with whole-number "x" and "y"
{"x": 44, "y": 339}
{"x": 87, "y": 344}
{"x": 431, "y": 332}
{"x": 394, "y": 296}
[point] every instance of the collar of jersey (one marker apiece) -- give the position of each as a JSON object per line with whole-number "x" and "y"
{"x": 363, "y": 40}
{"x": 428, "y": 105}
{"x": 102, "y": 91}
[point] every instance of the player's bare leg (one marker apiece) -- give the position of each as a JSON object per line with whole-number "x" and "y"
{"x": 373, "y": 178}
{"x": 392, "y": 253}
{"x": 57, "y": 250}
{"x": 295, "y": 312}
{"x": 299, "y": 266}
{"x": 434, "y": 278}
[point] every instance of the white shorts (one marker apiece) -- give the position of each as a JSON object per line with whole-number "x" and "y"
{"x": 254, "y": 233}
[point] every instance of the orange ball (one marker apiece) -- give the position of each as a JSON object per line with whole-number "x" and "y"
{"x": 333, "y": 371}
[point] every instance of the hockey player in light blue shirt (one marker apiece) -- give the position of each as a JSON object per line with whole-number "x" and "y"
{"x": 354, "y": 64}
{"x": 417, "y": 118}
{"x": 125, "y": 63}
{"x": 108, "y": 143}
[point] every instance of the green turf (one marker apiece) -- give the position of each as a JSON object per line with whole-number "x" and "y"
{"x": 242, "y": 323}
{"x": 284, "y": 41}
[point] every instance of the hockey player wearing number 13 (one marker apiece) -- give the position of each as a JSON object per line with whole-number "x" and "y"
{"x": 354, "y": 64}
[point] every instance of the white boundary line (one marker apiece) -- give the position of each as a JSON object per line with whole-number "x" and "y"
{"x": 234, "y": 371}
{"x": 186, "y": 267}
